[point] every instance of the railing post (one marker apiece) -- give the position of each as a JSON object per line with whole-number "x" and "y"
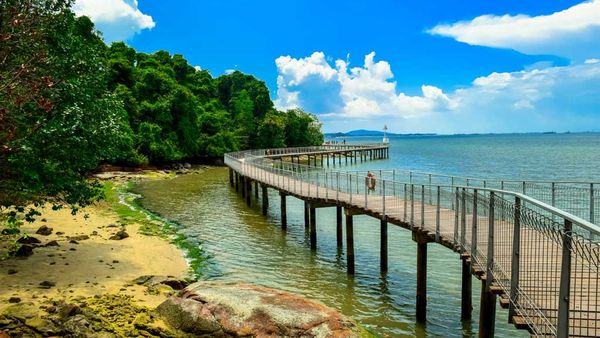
{"x": 474, "y": 228}
{"x": 422, "y": 206}
{"x": 337, "y": 190}
{"x": 350, "y": 187}
{"x": 490, "y": 244}
{"x": 553, "y": 188}
{"x": 463, "y": 218}
{"x": 383, "y": 195}
{"x": 429, "y": 188}
{"x": 515, "y": 261}
{"x": 592, "y": 202}
{"x": 317, "y": 183}
{"x": 366, "y": 192}
{"x": 437, "y": 215}
{"x": 405, "y": 202}
{"x": 394, "y": 179}
{"x": 454, "y": 205}
{"x": 562, "y": 329}
{"x": 412, "y": 205}
{"x": 456, "y": 212}
{"x": 326, "y": 183}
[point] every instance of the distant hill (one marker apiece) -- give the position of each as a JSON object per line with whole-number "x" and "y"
{"x": 364, "y": 132}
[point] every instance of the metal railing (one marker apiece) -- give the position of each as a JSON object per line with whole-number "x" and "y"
{"x": 578, "y": 198}
{"x": 543, "y": 258}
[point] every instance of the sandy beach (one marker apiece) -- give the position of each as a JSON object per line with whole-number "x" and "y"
{"x": 78, "y": 260}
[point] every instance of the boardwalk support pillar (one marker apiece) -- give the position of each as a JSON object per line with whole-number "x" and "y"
{"x": 283, "y": 210}
{"x": 256, "y": 190}
{"x": 487, "y": 314}
{"x": 231, "y": 183}
{"x": 422, "y": 238}
{"x": 421, "y": 282}
{"x": 338, "y": 214}
{"x": 248, "y": 191}
{"x": 349, "y": 242}
{"x": 383, "y": 252}
{"x": 313, "y": 227}
{"x": 265, "y": 199}
{"x": 306, "y": 216}
{"x": 237, "y": 181}
{"x": 243, "y": 185}
{"x": 466, "y": 303}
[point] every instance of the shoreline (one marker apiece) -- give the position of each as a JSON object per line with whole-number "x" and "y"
{"x": 97, "y": 254}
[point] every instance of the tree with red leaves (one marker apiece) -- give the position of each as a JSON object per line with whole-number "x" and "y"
{"x": 57, "y": 117}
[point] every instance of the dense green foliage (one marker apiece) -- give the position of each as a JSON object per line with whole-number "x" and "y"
{"x": 58, "y": 120}
{"x": 178, "y": 112}
{"x": 69, "y": 102}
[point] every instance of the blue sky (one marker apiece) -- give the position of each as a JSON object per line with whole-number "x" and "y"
{"x": 417, "y": 66}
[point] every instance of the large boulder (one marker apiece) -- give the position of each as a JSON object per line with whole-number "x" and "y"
{"x": 241, "y": 310}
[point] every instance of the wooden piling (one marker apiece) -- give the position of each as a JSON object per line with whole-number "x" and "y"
{"x": 256, "y": 191}
{"x": 487, "y": 312}
{"x": 248, "y": 191}
{"x": 283, "y": 210}
{"x": 243, "y": 185}
{"x": 466, "y": 306}
{"x": 313, "y": 227}
{"x": 383, "y": 252}
{"x": 265, "y": 200}
{"x": 237, "y": 182}
{"x": 421, "y": 282}
{"x": 231, "y": 184}
{"x": 306, "y": 216}
{"x": 349, "y": 244}
{"x": 338, "y": 214}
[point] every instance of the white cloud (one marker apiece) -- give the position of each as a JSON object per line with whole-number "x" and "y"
{"x": 572, "y": 33}
{"x": 535, "y": 99}
{"x": 118, "y": 20}
{"x": 591, "y": 61}
{"x": 359, "y": 92}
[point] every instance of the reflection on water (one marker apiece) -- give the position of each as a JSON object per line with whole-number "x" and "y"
{"x": 242, "y": 245}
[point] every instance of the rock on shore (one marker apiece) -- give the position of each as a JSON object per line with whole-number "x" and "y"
{"x": 237, "y": 310}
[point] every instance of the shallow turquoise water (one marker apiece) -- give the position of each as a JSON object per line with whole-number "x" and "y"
{"x": 242, "y": 245}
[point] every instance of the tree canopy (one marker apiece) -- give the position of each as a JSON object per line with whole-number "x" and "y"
{"x": 69, "y": 102}
{"x": 179, "y": 112}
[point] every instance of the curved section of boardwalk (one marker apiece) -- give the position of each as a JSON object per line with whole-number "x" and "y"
{"x": 541, "y": 261}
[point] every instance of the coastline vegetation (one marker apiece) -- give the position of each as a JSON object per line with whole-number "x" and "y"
{"x": 69, "y": 102}
{"x": 122, "y": 202}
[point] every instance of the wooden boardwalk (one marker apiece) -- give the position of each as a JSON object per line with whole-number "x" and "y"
{"x": 545, "y": 274}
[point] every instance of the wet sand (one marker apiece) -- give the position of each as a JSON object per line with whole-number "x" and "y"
{"x": 94, "y": 266}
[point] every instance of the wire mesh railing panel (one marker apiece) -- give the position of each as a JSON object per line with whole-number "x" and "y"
{"x": 584, "y": 302}
{"x": 581, "y": 199}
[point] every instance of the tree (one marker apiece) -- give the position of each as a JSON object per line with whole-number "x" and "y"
{"x": 302, "y": 129}
{"x": 58, "y": 119}
{"x": 271, "y": 132}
